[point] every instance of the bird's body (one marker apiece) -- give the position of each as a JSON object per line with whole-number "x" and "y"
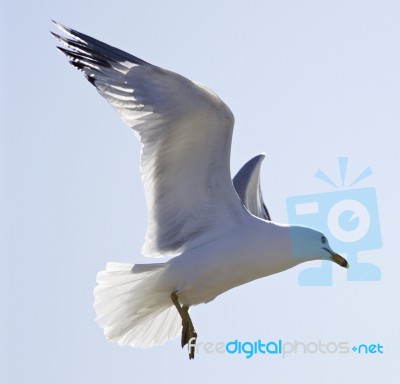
{"x": 219, "y": 229}
{"x": 198, "y": 276}
{"x": 231, "y": 261}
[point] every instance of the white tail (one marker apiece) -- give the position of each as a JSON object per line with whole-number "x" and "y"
{"x": 132, "y": 308}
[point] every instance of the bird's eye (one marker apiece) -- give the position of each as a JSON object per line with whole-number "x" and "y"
{"x": 323, "y": 239}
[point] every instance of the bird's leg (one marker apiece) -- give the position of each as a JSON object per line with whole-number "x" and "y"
{"x": 188, "y": 332}
{"x": 190, "y": 336}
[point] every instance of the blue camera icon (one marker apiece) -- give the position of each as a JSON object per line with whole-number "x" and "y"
{"x": 350, "y": 220}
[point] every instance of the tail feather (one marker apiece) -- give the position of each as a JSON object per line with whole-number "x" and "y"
{"x": 132, "y": 308}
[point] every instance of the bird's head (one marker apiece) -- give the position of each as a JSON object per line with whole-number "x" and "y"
{"x": 309, "y": 244}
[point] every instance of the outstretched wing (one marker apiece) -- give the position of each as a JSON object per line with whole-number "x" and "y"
{"x": 186, "y": 132}
{"x": 247, "y": 185}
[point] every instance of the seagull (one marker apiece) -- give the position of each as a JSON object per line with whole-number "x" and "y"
{"x": 217, "y": 232}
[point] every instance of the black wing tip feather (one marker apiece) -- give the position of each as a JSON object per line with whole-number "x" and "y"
{"x": 59, "y": 25}
{"x": 81, "y": 58}
{"x": 78, "y": 64}
{"x": 95, "y": 47}
{"x": 80, "y": 55}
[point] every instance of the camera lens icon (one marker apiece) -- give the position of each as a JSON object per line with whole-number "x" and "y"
{"x": 348, "y": 220}
{"x": 349, "y": 217}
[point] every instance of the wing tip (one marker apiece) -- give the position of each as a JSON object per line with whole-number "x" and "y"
{"x": 80, "y": 41}
{"x": 261, "y": 156}
{"x": 255, "y": 160}
{"x": 62, "y": 27}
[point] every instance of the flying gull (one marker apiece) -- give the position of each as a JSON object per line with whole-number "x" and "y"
{"x": 219, "y": 230}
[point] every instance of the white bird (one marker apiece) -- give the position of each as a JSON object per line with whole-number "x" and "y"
{"x": 219, "y": 231}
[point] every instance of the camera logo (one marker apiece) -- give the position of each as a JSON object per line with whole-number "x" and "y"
{"x": 349, "y": 217}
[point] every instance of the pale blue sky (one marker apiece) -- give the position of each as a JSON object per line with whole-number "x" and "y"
{"x": 307, "y": 81}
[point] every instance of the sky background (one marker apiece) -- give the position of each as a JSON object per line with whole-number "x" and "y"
{"x": 307, "y": 81}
